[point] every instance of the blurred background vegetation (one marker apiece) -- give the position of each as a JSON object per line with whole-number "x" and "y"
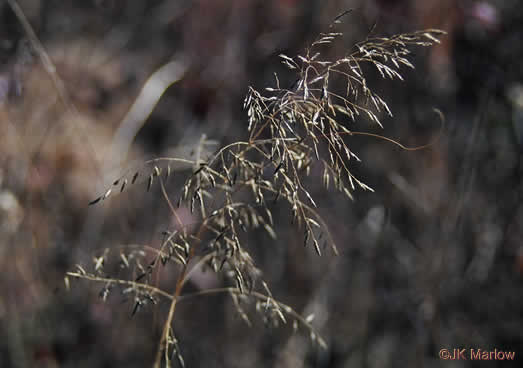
{"x": 433, "y": 259}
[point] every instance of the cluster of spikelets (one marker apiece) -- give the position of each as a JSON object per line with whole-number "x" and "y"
{"x": 232, "y": 191}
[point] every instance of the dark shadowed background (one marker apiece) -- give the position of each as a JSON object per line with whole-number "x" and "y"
{"x": 432, "y": 259}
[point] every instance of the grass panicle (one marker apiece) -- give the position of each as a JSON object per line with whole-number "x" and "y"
{"x": 234, "y": 191}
